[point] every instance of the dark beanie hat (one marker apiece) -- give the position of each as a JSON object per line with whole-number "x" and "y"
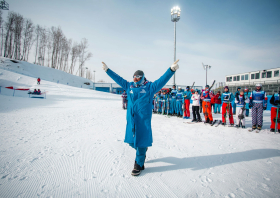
{"x": 226, "y": 87}
{"x": 139, "y": 72}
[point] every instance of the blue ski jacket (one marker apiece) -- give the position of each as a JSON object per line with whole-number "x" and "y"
{"x": 139, "y": 108}
{"x": 187, "y": 95}
{"x": 227, "y": 97}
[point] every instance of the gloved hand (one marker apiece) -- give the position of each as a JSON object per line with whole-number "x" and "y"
{"x": 250, "y": 105}
{"x": 264, "y": 108}
{"x": 104, "y": 67}
{"x": 226, "y": 97}
{"x": 175, "y": 66}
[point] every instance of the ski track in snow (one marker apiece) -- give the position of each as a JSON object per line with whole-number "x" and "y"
{"x": 71, "y": 145}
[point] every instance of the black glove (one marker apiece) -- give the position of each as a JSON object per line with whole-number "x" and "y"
{"x": 226, "y": 97}
{"x": 264, "y": 108}
{"x": 250, "y": 105}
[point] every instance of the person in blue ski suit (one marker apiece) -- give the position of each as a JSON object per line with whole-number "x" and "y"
{"x": 258, "y": 103}
{"x": 179, "y": 102}
{"x": 233, "y": 103}
{"x": 247, "y": 94}
{"x": 140, "y": 94}
{"x": 187, "y": 97}
{"x": 173, "y": 101}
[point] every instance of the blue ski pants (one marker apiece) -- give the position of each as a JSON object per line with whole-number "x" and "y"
{"x": 179, "y": 104}
{"x": 173, "y": 106}
{"x": 217, "y": 108}
{"x": 140, "y": 154}
{"x": 234, "y": 108}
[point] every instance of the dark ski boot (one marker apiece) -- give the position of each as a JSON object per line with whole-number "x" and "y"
{"x": 237, "y": 126}
{"x": 137, "y": 169}
{"x": 194, "y": 120}
{"x": 243, "y": 127}
{"x": 272, "y": 130}
{"x": 259, "y": 127}
{"x": 254, "y": 127}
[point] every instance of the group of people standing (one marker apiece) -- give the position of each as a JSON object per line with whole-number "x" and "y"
{"x": 175, "y": 102}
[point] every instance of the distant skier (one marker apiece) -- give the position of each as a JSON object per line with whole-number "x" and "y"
{"x": 173, "y": 100}
{"x": 195, "y": 107}
{"x": 241, "y": 100}
{"x": 258, "y": 103}
{"x": 218, "y": 102}
{"x": 139, "y": 110}
{"x": 275, "y": 101}
{"x": 227, "y": 98}
{"x": 124, "y": 101}
{"x": 38, "y": 81}
{"x": 234, "y": 104}
{"x": 187, "y": 97}
{"x": 247, "y": 94}
{"x": 179, "y": 102}
{"x": 206, "y": 96}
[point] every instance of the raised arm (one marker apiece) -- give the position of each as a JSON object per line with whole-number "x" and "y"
{"x": 119, "y": 80}
{"x": 158, "y": 84}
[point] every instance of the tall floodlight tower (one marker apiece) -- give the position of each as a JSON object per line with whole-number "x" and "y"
{"x": 175, "y": 17}
{"x": 4, "y": 5}
{"x": 206, "y": 67}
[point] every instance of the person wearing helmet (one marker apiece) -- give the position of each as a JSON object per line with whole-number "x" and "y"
{"x": 206, "y": 96}
{"x": 227, "y": 98}
{"x": 234, "y": 104}
{"x": 139, "y": 110}
{"x": 173, "y": 100}
{"x": 124, "y": 101}
{"x": 275, "y": 101}
{"x": 247, "y": 95}
{"x": 179, "y": 102}
{"x": 187, "y": 101}
{"x": 258, "y": 103}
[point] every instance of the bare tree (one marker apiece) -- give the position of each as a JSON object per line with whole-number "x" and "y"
{"x": 83, "y": 55}
{"x": 74, "y": 55}
{"x": 1, "y": 28}
{"x": 28, "y": 41}
{"x": 9, "y": 34}
{"x": 42, "y": 45}
{"x": 18, "y": 28}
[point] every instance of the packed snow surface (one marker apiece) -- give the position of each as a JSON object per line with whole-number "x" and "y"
{"x": 71, "y": 145}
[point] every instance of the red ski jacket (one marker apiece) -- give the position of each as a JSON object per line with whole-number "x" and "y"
{"x": 217, "y": 99}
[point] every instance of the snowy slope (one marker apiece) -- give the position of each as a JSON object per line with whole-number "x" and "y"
{"x": 71, "y": 145}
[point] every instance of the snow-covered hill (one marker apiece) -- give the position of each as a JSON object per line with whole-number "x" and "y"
{"x": 71, "y": 145}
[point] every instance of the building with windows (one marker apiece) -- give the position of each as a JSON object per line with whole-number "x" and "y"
{"x": 268, "y": 76}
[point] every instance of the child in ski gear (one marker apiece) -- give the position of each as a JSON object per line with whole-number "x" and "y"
{"x": 187, "y": 97}
{"x": 195, "y": 107}
{"x": 247, "y": 95}
{"x": 206, "y": 96}
{"x": 258, "y": 103}
{"x": 139, "y": 110}
{"x": 241, "y": 102}
{"x": 173, "y": 101}
{"x": 275, "y": 101}
{"x": 124, "y": 96}
{"x": 179, "y": 102}
{"x": 38, "y": 81}
{"x": 218, "y": 102}
{"x": 227, "y": 98}
{"x": 234, "y": 104}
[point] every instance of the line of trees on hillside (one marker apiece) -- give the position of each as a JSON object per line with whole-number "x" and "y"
{"x": 52, "y": 49}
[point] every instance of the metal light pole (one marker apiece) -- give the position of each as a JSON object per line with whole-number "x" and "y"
{"x": 206, "y": 67}
{"x": 175, "y": 17}
{"x": 94, "y": 76}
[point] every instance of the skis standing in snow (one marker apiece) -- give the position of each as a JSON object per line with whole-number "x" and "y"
{"x": 195, "y": 107}
{"x": 124, "y": 97}
{"x": 139, "y": 110}
{"x": 258, "y": 103}
{"x": 227, "y": 98}
{"x": 240, "y": 101}
{"x": 247, "y": 94}
{"x": 275, "y": 123}
{"x": 187, "y": 97}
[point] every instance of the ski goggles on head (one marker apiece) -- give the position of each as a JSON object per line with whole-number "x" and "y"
{"x": 137, "y": 76}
